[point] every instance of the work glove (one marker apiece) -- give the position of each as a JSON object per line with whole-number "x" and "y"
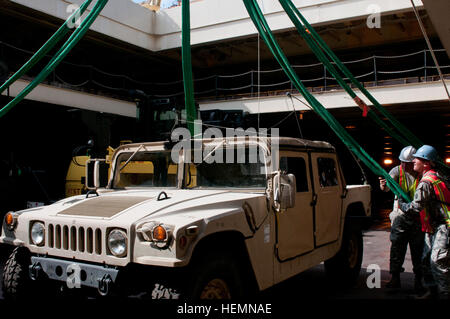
{"x": 404, "y": 206}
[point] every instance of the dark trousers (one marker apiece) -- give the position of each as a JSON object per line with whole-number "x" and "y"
{"x": 436, "y": 260}
{"x": 404, "y": 232}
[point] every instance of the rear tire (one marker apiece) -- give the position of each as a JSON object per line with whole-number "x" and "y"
{"x": 345, "y": 266}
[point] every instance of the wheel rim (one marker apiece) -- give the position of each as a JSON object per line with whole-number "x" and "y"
{"x": 216, "y": 289}
{"x": 353, "y": 252}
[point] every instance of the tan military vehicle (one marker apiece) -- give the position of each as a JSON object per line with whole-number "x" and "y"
{"x": 174, "y": 229}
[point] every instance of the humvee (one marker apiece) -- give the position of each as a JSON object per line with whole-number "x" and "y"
{"x": 174, "y": 228}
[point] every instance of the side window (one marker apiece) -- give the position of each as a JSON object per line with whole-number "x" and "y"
{"x": 296, "y": 166}
{"x": 327, "y": 172}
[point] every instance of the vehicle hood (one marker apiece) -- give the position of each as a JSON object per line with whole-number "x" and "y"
{"x": 126, "y": 207}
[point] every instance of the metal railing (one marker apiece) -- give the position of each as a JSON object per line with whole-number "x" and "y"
{"x": 374, "y": 70}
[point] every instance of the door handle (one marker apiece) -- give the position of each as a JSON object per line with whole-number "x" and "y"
{"x": 314, "y": 200}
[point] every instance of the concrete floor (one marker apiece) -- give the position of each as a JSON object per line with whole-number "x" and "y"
{"x": 313, "y": 284}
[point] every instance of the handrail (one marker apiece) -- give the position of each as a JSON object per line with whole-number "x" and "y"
{"x": 264, "y": 30}
{"x": 411, "y": 139}
{"x": 212, "y": 78}
{"x": 404, "y": 135}
{"x": 315, "y": 46}
{"x": 59, "y": 56}
{"x": 59, "y": 34}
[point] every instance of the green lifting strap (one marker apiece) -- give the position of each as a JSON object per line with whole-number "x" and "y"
{"x": 318, "y": 45}
{"x": 59, "y": 34}
{"x": 322, "y": 58}
{"x": 191, "y": 113}
{"x": 59, "y": 56}
{"x": 296, "y": 17}
{"x": 265, "y": 32}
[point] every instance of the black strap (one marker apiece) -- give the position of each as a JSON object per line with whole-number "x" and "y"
{"x": 91, "y": 192}
{"x": 162, "y": 193}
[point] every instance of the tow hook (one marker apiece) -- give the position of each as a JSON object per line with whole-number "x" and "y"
{"x": 104, "y": 285}
{"x": 36, "y": 271}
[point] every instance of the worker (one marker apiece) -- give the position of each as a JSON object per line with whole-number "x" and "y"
{"x": 433, "y": 197}
{"x": 405, "y": 229}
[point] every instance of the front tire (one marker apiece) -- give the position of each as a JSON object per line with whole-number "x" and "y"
{"x": 345, "y": 266}
{"x": 16, "y": 279}
{"x": 219, "y": 276}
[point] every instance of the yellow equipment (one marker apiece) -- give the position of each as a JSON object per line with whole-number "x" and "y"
{"x": 76, "y": 174}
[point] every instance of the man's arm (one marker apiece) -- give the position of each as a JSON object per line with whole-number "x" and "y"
{"x": 395, "y": 174}
{"x": 421, "y": 198}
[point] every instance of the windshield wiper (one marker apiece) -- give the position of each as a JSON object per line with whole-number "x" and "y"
{"x": 131, "y": 157}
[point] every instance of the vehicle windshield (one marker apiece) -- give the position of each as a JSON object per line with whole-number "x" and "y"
{"x": 145, "y": 169}
{"x": 240, "y": 171}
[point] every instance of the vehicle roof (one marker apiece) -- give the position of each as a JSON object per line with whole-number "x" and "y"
{"x": 284, "y": 142}
{"x": 298, "y": 142}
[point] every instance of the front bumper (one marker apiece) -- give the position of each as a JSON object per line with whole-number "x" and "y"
{"x": 129, "y": 280}
{"x": 74, "y": 274}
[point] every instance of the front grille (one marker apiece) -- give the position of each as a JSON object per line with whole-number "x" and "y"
{"x": 75, "y": 239}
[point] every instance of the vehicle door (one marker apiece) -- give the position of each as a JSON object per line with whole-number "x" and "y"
{"x": 328, "y": 190}
{"x": 295, "y": 225}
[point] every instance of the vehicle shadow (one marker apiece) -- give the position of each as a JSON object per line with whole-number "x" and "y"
{"x": 314, "y": 284}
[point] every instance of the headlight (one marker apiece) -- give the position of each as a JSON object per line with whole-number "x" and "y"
{"x": 117, "y": 243}
{"x": 38, "y": 233}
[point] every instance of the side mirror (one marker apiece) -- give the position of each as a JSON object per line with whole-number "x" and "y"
{"x": 96, "y": 173}
{"x": 284, "y": 190}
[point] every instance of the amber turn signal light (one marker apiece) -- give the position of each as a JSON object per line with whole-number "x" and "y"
{"x": 159, "y": 233}
{"x": 10, "y": 221}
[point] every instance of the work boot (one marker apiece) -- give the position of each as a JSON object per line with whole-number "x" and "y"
{"x": 395, "y": 281}
{"x": 430, "y": 293}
